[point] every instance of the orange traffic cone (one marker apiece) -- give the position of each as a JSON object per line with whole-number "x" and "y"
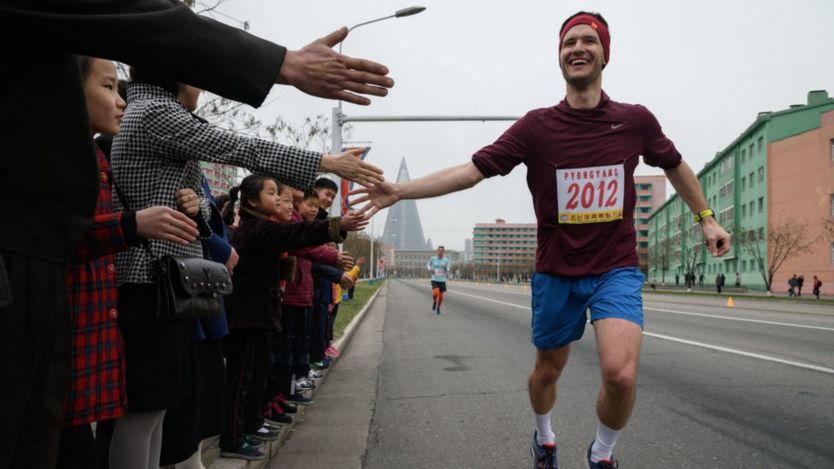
{"x": 730, "y": 302}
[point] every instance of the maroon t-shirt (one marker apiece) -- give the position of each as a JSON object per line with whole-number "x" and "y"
{"x": 588, "y": 156}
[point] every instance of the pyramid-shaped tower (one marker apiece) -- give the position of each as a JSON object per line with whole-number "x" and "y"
{"x": 403, "y": 229}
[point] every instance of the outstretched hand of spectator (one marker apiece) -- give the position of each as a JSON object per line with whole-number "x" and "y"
{"x": 349, "y": 165}
{"x": 318, "y": 70}
{"x": 377, "y": 197}
{"x": 346, "y": 262}
{"x": 353, "y": 222}
{"x": 346, "y": 282}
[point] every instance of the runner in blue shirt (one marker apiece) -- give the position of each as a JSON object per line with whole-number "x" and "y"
{"x": 438, "y": 266}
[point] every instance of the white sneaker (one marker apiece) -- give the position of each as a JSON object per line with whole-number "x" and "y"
{"x": 315, "y": 374}
{"x": 304, "y": 384}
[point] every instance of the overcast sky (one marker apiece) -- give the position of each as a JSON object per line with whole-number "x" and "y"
{"x": 705, "y": 69}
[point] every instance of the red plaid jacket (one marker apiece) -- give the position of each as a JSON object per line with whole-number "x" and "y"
{"x": 97, "y": 387}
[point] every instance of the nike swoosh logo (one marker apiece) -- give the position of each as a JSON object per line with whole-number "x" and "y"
{"x": 617, "y": 126}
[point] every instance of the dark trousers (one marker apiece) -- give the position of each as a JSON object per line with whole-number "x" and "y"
{"x": 290, "y": 350}
{"x": 241, "y": 348}
{"x": 35, "y": 367}
{"x": 331, "y": 322}
{"x": 318, "y": 332}
{"x": 77, "y": 448}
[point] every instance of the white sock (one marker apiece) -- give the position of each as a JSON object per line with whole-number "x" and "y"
{"x": 544, "y": 434}
{"x": 604, "y": 443}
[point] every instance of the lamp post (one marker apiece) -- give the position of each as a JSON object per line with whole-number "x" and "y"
{"x": 336, "y": 138}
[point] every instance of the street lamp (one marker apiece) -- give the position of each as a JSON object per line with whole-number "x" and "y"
{"x": 336, "y": 139}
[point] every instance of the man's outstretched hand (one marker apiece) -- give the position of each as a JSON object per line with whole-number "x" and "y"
{"x": 377, "y": 197}
{"x": 318, "y": 70}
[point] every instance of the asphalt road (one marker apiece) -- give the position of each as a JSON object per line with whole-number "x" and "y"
{"x": 748, "y": 387}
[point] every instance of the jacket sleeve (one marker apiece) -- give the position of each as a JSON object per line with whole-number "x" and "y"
{"x": 179, "y": 135}
{"x": 318, "y": 254}
{"x": 154, "y": 34}
{"x": 280, "y": 237}
{"x": 104, "y": 237}
{"x": 218, "y": 248}
{"x": 330, "y": 273}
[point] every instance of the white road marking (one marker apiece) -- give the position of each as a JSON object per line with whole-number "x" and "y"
{"x": 718, "y": 348}
{"x": 759, "y": 356}
{"x": 760, "y": 321}
{"x": 713, "y": 316}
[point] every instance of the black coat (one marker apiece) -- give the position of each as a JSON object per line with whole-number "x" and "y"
{"x": 48, "y": 174}
{"x": 256, "y": 300}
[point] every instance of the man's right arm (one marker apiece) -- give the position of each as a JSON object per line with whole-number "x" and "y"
{"x": 443, "y": 182}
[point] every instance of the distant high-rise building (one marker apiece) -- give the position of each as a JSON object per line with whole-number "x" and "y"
{"x": 651, "y": 194}
{"x": 467, "y": 250}
{"x": 504, "y": 243}
{"x": 403, "y": 229}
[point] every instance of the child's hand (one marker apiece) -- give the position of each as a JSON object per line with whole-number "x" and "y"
{"x": 231, "y": 262}
{"x": 166, "y": 224}
{"x": 188, "y": 202}
{"x": 353, "y": 222}
{"x": 346, "y": 282}
{"x": 345, "y": 261}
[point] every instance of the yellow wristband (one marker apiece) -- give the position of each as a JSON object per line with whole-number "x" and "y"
{"x": 707, "y": 212}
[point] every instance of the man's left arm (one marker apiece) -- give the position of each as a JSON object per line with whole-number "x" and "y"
{"x": 689, "y": 189}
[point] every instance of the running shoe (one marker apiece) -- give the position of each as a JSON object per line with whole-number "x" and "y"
{"x": 332, "y": 352}
{"x": 433, "y": 305}
{"x": 318, "y": 366}
{"x": 264, "y": 434}
{"x": 300, "y": 399}
{"x": 603, "y": 464}
{"x": 438, "y": 310}
{"x": 544, "y": 456}
{"x": 314, "y": 374}
{"x": 245, "y": 451}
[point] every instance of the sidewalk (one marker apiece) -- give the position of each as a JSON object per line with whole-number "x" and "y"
{"x": 342, "y": 408}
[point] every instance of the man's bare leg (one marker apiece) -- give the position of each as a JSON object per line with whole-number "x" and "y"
{"x": 542, "y": 388}
{"x": 618, "y": 344}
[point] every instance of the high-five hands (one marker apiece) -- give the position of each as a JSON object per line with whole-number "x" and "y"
{"x": 378, "y": 197}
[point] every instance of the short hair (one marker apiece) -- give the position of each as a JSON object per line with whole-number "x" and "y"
{"x": 591, "y": 13}
{"x": 326, "y": 183}
{"x": 441, "y": 247}
{"x": 310, "y": 194}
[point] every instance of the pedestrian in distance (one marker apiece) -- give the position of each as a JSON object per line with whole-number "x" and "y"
{"x": 586, "y": 144}
{"x": 792, "y": 283}
{"x": 718, "y": 283}
{"x": 817, "y": 286}
{"x": 799, "y": 282}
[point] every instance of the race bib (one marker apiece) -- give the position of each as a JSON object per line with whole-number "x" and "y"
{"x": 439, "y": 272}
{"x": 590, "y": 195}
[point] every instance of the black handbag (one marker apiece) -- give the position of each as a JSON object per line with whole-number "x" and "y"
{"x": 187, "y": 287}
{"x": 190, "y": 287}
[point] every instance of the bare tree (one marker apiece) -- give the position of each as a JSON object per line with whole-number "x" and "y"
{"x": 783, "y": 242}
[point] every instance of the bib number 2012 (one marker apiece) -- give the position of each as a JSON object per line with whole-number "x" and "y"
{"x": 589, "y": 192}
{"x": 590, "y": 195}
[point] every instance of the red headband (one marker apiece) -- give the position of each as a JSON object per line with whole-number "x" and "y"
{"x": 597, "y": 25}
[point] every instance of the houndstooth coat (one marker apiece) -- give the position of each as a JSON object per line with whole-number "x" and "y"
{"x": 156, "y": 153}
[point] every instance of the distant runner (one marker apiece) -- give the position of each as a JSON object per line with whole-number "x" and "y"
{"x": 438, "y": 266}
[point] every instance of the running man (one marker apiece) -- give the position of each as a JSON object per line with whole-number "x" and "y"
{"x": 580, "y": 156}
{"x": 438, "y": 266}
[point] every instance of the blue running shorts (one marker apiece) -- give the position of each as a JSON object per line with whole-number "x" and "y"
{"x": 560, "y": 303}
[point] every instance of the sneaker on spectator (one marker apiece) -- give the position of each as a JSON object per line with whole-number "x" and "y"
{"x": 318, "y": 366}
{"x": 264, "y": 434}
{"x": 314, "y": 374}
{"x": 275, "y": 414}
{"x": 304, "y": 384}
{"x": 253, "y": 442}
{"x": 272, "y": 426}
{"x": 332, "y": 352}
{"x": 244, "y": 452}
{"x": 300, "y": 399}
{"x": 284, "y": 405}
